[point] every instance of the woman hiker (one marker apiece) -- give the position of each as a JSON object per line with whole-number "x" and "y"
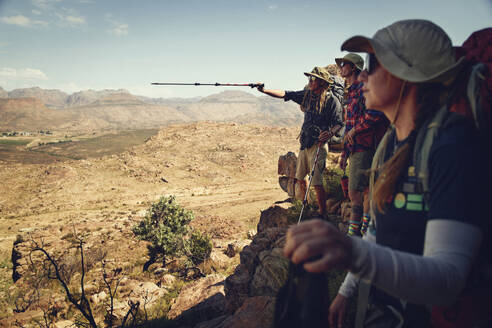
{"x": 420, "y": 252}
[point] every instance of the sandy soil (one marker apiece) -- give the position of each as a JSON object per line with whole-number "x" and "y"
{"x": 225, "y": 172}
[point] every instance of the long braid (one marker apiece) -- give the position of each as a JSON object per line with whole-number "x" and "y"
{"x": 428, "y": 102}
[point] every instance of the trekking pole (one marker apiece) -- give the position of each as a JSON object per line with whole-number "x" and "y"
{"x": 332, "y": 132}
{"x": 304, "y": 202}
{"x": 216, "y": 84}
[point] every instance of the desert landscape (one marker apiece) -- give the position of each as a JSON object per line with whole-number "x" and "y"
{"x": 65, "y": 178}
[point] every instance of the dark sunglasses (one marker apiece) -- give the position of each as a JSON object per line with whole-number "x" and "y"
{"x": 371, "y": 63}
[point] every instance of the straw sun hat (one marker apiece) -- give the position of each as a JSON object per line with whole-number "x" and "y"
{"x": 321, "y": 73}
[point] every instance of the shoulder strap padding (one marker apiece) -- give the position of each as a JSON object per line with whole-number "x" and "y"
{"x": 423, "y": 144}
{"x": 477, "y": 77}
{"x": 377, "y": 162}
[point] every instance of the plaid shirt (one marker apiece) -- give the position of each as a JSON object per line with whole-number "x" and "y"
{"x": 369, "y": 124}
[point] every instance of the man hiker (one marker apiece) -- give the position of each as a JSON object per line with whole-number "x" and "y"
{"x": 323, "y": 118}
{"x": 364, "y": 129}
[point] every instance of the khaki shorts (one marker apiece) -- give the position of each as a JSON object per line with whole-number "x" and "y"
{"x": 360, "y": 163}
{"x": 305, "y": 163}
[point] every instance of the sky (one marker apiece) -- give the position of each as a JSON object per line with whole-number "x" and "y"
{"x": 75, "y": 45}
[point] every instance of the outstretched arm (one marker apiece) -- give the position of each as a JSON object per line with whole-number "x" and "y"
{"x": 272, "y": 93}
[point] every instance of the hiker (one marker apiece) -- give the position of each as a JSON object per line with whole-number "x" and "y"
{"x": 364, "y": 128}
{"x": 322, "y": 119}
{"x": 420, "y": 250}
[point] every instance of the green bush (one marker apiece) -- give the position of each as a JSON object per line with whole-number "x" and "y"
{"x": 198, "y": 247}
{"x": 166, "y": 227}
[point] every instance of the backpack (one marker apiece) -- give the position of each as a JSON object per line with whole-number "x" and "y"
{"x": 470, "y": 97}
{"x": 337, "y": 88}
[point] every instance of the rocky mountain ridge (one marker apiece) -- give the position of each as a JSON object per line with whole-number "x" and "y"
{"x": 118, "y": 109}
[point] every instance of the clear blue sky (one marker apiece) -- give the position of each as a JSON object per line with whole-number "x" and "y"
{"x": 76, "y": 45}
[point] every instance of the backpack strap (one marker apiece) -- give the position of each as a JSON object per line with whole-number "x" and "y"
{"x": 475, "y": 81}
{"x": 377, "y": 162}
{"x": 423, "y": 143}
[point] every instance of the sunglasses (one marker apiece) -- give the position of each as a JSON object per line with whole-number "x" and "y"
{"x": 371, "y": 63}
{"x": 343, "y": 63}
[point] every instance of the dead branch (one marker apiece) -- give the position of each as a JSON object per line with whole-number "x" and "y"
{"x": 83, "y": 304}
{"x": 132, "y": 311}
{"x": 109, "y": 280}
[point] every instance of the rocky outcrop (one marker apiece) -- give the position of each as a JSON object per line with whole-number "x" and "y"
{"x": 273, "y": 217}
{"x": 251, "y": 290}
{"x": 262, "y": 269}
{"x": 255, "y": 312}
{"x": 199, "y": 301}
{"x": 287, "y": 171}
{"x": 247, "y": 297}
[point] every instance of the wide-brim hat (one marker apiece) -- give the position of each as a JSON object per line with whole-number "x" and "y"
{"x": 352, "y": 58}
{"x": 321, "y": 73}
{"x": 412, "y": 50}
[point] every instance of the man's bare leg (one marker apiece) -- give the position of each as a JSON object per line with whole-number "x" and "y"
{"x": 302, "y": 189}
{"x": 321, "y": 196}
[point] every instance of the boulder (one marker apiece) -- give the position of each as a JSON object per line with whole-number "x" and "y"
{"x": 255, "y": 312}
{"x": 288, "y": 185}
{"x": 166, "y": 280}
{"x": 261, "y": 269}
{"x": 98, "y": 298}
{"x": 64, "y": 324}
{"x": 273, "y": 217}
{"x": 199, "y": 301}
{"x": 270, "y": 274}
{"x": 230, "y": 250}
{"x": 287, "y": 165}
{"x": 251, "y": 233}
{"x": 287, "y": 171}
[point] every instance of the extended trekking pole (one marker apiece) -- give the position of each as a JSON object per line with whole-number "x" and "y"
{"x": 216, "y": 84}
{"x": 304, "y": 202}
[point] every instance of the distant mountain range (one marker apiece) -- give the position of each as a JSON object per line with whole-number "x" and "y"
{"x": 33, "y": 109}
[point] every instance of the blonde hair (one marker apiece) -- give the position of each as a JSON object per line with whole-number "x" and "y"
{"x": 309, "y": 97}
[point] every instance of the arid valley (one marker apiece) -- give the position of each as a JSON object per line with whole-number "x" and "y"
{"x": 99, "y": 183}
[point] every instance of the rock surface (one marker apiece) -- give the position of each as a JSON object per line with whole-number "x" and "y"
{"x": 287, "y": 170}
{"x": 263, "y": 269}
{"x": 273, "y": 217}
{"x": 199, "y": 301}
